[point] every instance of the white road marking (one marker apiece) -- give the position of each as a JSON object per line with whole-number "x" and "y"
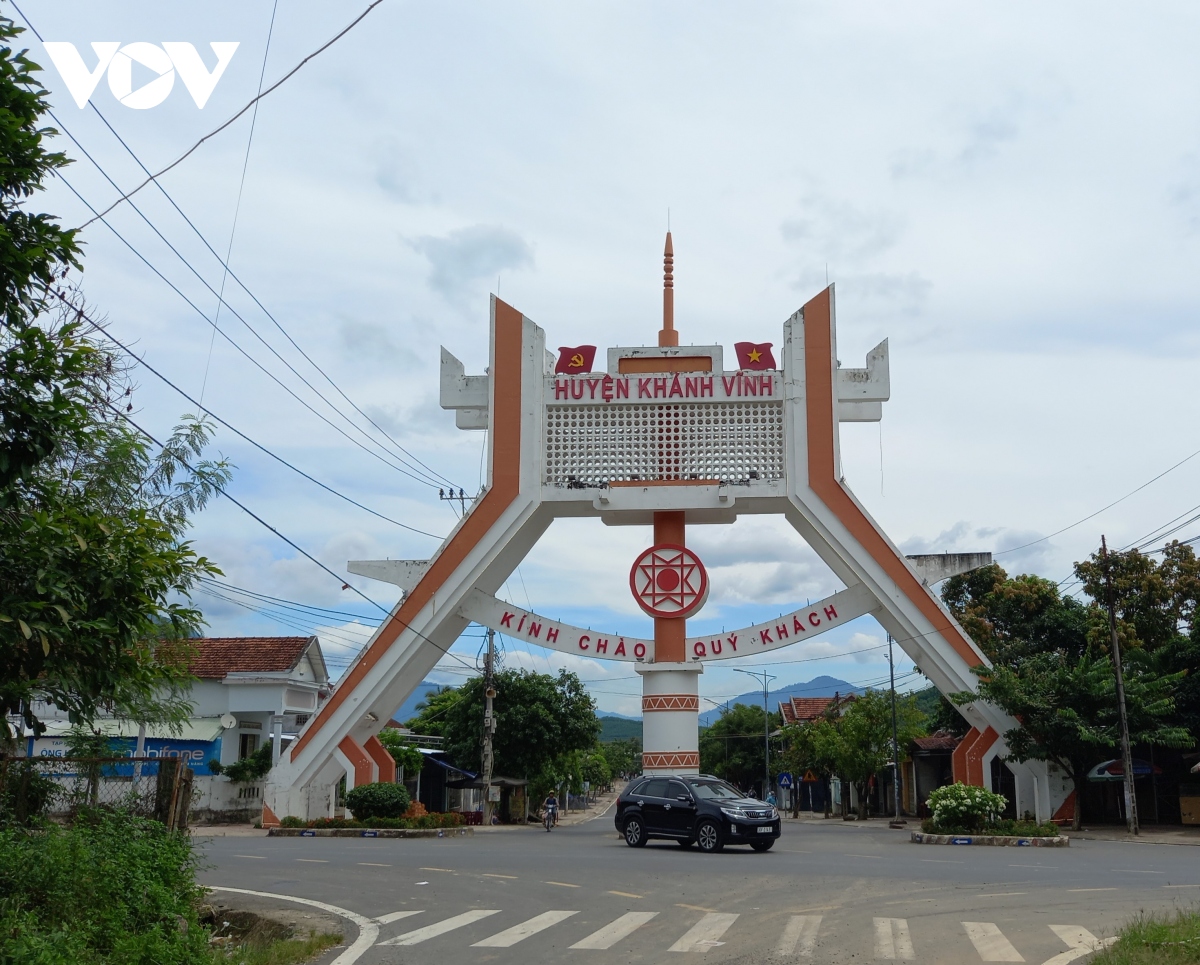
{"x": 396, "y": 916}
{"x": 313, "y": 860}
{"x": 256, "y": 857}
{"x": 1082, "y": 942}
{"x": 441, "y": 927}
{"x": 510, "y": 936}
{"x": 486, "y": 875}
{"x": 990, "y": 942}
{"x": 624, "y": 894}
{"x": 561, "y": 884}
{"x": 374, "y": 864}
{"x": 1003, "y": 894}
{"x": 799, "y": 936}
{"x": 613, "y": 932}
{"x": 1181, "y": 886}
{"x": 892, "y": 939}
{"x": 368, "y": 931}
{"x": 1078, "y": 890}
{"x": 708, "y": 929}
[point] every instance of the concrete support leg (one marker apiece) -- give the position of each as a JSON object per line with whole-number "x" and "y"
{"x": 670, "y": 705}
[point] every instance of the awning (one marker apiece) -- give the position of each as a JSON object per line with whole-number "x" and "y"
{"x": 192, "y": 729}
{"x": 1115, "y": 770}
{"x": 477, "y": 783}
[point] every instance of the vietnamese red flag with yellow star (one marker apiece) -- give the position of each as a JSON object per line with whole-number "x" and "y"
{"x": 754, "y": 355}
{"x": 572, "y": 361}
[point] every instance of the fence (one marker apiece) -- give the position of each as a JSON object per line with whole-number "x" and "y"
{"x": 59, "y": 787}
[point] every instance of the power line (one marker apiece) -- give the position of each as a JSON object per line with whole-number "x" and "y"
{"x": 155, "y": 177}
{"x": 432, "y": 475}
{"x": 241, "y": 186}
{"x": 248, "y": 357}
{"x": 238, "y": 432}
{"x": 1101, "y": 510}
{"x": 308, "y": 556}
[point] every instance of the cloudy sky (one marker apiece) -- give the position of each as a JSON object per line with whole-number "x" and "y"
{"x": 1009, "y": 192}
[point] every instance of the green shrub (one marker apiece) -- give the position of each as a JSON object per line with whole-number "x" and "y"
{"x": 25, "y": 795}
{"x": 248, "y": 769}
{"x": 450, "y": 819}
{"x": 378, "y": 800}
{"x": 960, "y": 805}
{"x": 110, "y": 890}
{"x": 291, "y": 821}
{"x": 1016, "y": 829}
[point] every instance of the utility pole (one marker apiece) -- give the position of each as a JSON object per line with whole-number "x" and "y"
{"x": 1126, "y": 753}
{"x": 766, "y": 728}
{"x": 489, "y": 724}
{"x": 897, "y": 820}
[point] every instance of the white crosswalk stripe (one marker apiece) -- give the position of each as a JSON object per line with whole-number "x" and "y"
{"x": 892, "y": 939}
{"x": 510, "y": 936}
{"x": 705, "y": 934}
{"x": 396, "y": 916}
{"x": 990, "y": 942}
{"x": 1082, "y": 942}
{"x": 441, "y": 927}
{"x": 613, "y": 932}
{"x": 799, "y": 936}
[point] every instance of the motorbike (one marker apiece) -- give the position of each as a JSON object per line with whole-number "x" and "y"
{"x": 550, "y": 818}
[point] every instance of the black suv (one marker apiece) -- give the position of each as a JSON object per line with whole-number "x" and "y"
{"x": 699, "y": 810}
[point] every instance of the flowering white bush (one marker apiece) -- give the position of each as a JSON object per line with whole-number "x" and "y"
{"x": 959, "y": 805}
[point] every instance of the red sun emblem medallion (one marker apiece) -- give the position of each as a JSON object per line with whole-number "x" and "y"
{"x": 669, "y": 581}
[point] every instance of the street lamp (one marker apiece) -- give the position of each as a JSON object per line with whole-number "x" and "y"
{"x": 766, "y": 725}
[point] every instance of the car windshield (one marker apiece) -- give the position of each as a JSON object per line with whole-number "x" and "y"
{"x": 715, "y": 790}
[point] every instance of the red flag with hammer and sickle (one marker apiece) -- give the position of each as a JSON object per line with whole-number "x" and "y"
{"x": 572, "y": 361}
{"x": 754, "y": 355}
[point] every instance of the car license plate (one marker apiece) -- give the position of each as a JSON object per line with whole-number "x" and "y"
{"x": 766, "y": 830}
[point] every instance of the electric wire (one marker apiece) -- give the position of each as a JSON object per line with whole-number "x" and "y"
{"x": 434, "y": 476}
{"x": 1077, "y": 522}
{"x": 409, "y": 470}
{"x": 241, "y": 350}
{"x": 390, "y": 616}
{"x": 142, "y": 362}
{"x": 241, "y": 188}
{"x": 278, "y": 83}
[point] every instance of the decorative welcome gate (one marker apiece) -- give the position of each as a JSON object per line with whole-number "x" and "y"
{"x": 665, "y": 437}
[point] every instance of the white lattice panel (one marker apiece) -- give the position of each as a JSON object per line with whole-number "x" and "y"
{"x": 589, "y": 445}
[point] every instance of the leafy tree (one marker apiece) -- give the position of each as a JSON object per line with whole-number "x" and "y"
{"x": 623, "y": 756}
{"x": 732, "y": 747}
{"x": 430, "y": 719}
{"x": 940, "y": 713}
{"x": 94, "y": 569}
{"x": 539, "y": 719}
{"x": 407, "y": 757}
{"x": 1051, "y": 668}
{"x": 811, "y": 746}
{"x": 863, "y": 748}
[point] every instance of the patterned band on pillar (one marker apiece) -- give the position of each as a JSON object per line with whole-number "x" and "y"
{"x": 670, "y": 702}
{"x": 651, "y": 761}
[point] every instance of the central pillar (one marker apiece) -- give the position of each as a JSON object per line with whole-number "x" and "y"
{"x": 670, "y": 683}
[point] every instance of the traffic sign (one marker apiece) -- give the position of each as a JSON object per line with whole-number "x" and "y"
{"x": 785, "y": 779}
{"x": 810, "y": 777}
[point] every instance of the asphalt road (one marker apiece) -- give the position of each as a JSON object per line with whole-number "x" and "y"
{"x": 830, "y": 892}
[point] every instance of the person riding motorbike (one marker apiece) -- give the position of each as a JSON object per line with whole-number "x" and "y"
{"x": 550, "y": 807}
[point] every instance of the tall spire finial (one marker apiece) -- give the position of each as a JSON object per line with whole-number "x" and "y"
{"x": 668, "y": 335}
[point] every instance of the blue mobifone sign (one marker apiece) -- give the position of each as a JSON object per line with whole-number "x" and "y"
{"x": 785, "y": 779}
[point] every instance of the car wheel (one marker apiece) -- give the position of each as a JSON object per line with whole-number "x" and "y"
{"x": 635, "y": 833}
{"x": 762, "y": 845}
{"x": 708, "y": 837}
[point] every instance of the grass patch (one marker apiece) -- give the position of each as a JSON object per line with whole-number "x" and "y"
{"x": 1156, "y": 940}
{"x": 278, "y": 951}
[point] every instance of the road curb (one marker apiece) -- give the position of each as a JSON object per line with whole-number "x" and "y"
{"x": 995, "y": 840}
{"x": 371, "y": 833}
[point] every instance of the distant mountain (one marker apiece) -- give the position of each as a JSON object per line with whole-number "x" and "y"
{"x": 408, "y": 709}
{"x": 619, "y": 728}
{"x": 823, "y": 686}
